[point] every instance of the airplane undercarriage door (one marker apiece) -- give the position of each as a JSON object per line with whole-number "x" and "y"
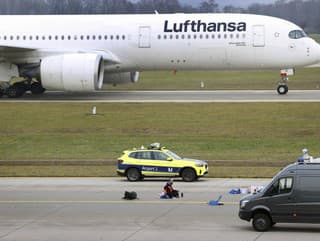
{"x": 144, "y": 37}
{"x": 258, "y": 36}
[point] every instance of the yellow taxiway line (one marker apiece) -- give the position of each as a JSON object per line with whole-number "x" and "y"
{"x": 109, "y": 202}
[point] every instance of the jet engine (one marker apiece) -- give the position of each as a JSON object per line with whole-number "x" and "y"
{"x": 121, "y": 78}
{"x": 72, "y": 72}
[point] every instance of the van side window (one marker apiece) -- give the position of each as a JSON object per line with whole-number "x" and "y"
{"x": 285, "y": 185}
{"x": 282, "y": 186}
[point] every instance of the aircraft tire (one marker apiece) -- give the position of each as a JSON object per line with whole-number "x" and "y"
{"x": 37, "y": 89}
{"x": 16, "y": 90}
{"x": 282, "y": 89}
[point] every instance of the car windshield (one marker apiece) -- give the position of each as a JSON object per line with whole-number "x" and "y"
{"x": 173, "y": 155}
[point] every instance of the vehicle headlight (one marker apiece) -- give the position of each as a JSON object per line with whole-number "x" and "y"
{"x": 199, "y": 165}
{"x": 243, "y": 203}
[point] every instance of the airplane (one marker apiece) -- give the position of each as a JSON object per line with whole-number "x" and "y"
{"x": 80, "y": 53}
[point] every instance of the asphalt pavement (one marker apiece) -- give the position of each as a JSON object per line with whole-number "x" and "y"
{"x": 93, "y": 209}
{"x": 232, "y": 96}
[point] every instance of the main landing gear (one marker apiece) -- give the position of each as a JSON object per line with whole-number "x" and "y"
{"x": 18, "y": 86}
{"x": 283, "y": 87}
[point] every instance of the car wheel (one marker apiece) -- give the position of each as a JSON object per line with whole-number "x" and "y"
{"x": 188, "y": 175}
{"x": 261, "y": 222}
{"x": 133, "y": 175}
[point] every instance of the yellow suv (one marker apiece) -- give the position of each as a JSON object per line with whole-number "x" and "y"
{"x": 157, "y": 161}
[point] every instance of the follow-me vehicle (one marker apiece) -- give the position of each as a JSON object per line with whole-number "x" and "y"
{"x": 293, "y": 196}
{"x": 81, "y": 52}
{"x": 157, "y": 161}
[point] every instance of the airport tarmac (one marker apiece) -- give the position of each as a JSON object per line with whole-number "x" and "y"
{"x": 92, "y": 209}
{"x": 174, "y": 96}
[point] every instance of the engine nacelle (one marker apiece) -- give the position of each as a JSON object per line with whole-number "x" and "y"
{"x": 121, "y": 78}
{"x": 72, "y": 72}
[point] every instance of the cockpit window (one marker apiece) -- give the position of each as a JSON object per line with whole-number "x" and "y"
{"x": 296, "y": 34}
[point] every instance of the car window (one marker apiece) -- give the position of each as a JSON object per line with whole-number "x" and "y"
{"x": 157, "y": 155}
{"x": 133, "y": 155}
{"x": 145, "y": 155}
{"x": 173, "y": 155}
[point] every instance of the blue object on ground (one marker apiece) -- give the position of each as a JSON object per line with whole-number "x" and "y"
{"x": 165, "y": 196}
{"x": 216, "y": 202}
{"x": 235, "y": 191}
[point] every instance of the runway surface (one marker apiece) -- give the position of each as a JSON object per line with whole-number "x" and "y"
{"x": 92, "y": 209}
{"x": 173, "y": 96}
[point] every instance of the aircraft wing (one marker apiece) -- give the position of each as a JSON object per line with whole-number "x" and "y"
{"x": 14, "y": 49}
{"x": 24, "y": 55}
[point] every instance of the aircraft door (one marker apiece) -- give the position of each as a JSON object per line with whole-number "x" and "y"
{"x": 144, "y": 37}
{"x": 258, "y": 36}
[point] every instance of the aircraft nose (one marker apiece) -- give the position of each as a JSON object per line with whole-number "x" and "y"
{"x": 316, "y": 49}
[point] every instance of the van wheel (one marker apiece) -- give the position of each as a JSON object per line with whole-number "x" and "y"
{"x": 133, "y": 175}
{"x": 261, "y": 222}
{"x": 188, "y": 175}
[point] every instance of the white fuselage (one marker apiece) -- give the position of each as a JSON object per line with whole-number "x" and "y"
{"x": 175, "y": 41}
{"x": 160, "y": 41}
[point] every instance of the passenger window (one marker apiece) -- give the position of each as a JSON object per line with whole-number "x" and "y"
{"x": 159, "y": 156}
{"x": 133, "y": 155}
{"x": 144, "y": 155}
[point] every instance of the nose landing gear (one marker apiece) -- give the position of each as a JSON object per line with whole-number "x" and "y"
{"x": 283, "y": 87}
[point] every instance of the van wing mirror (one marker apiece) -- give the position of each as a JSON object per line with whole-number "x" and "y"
{"x": 169, "y": 159}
